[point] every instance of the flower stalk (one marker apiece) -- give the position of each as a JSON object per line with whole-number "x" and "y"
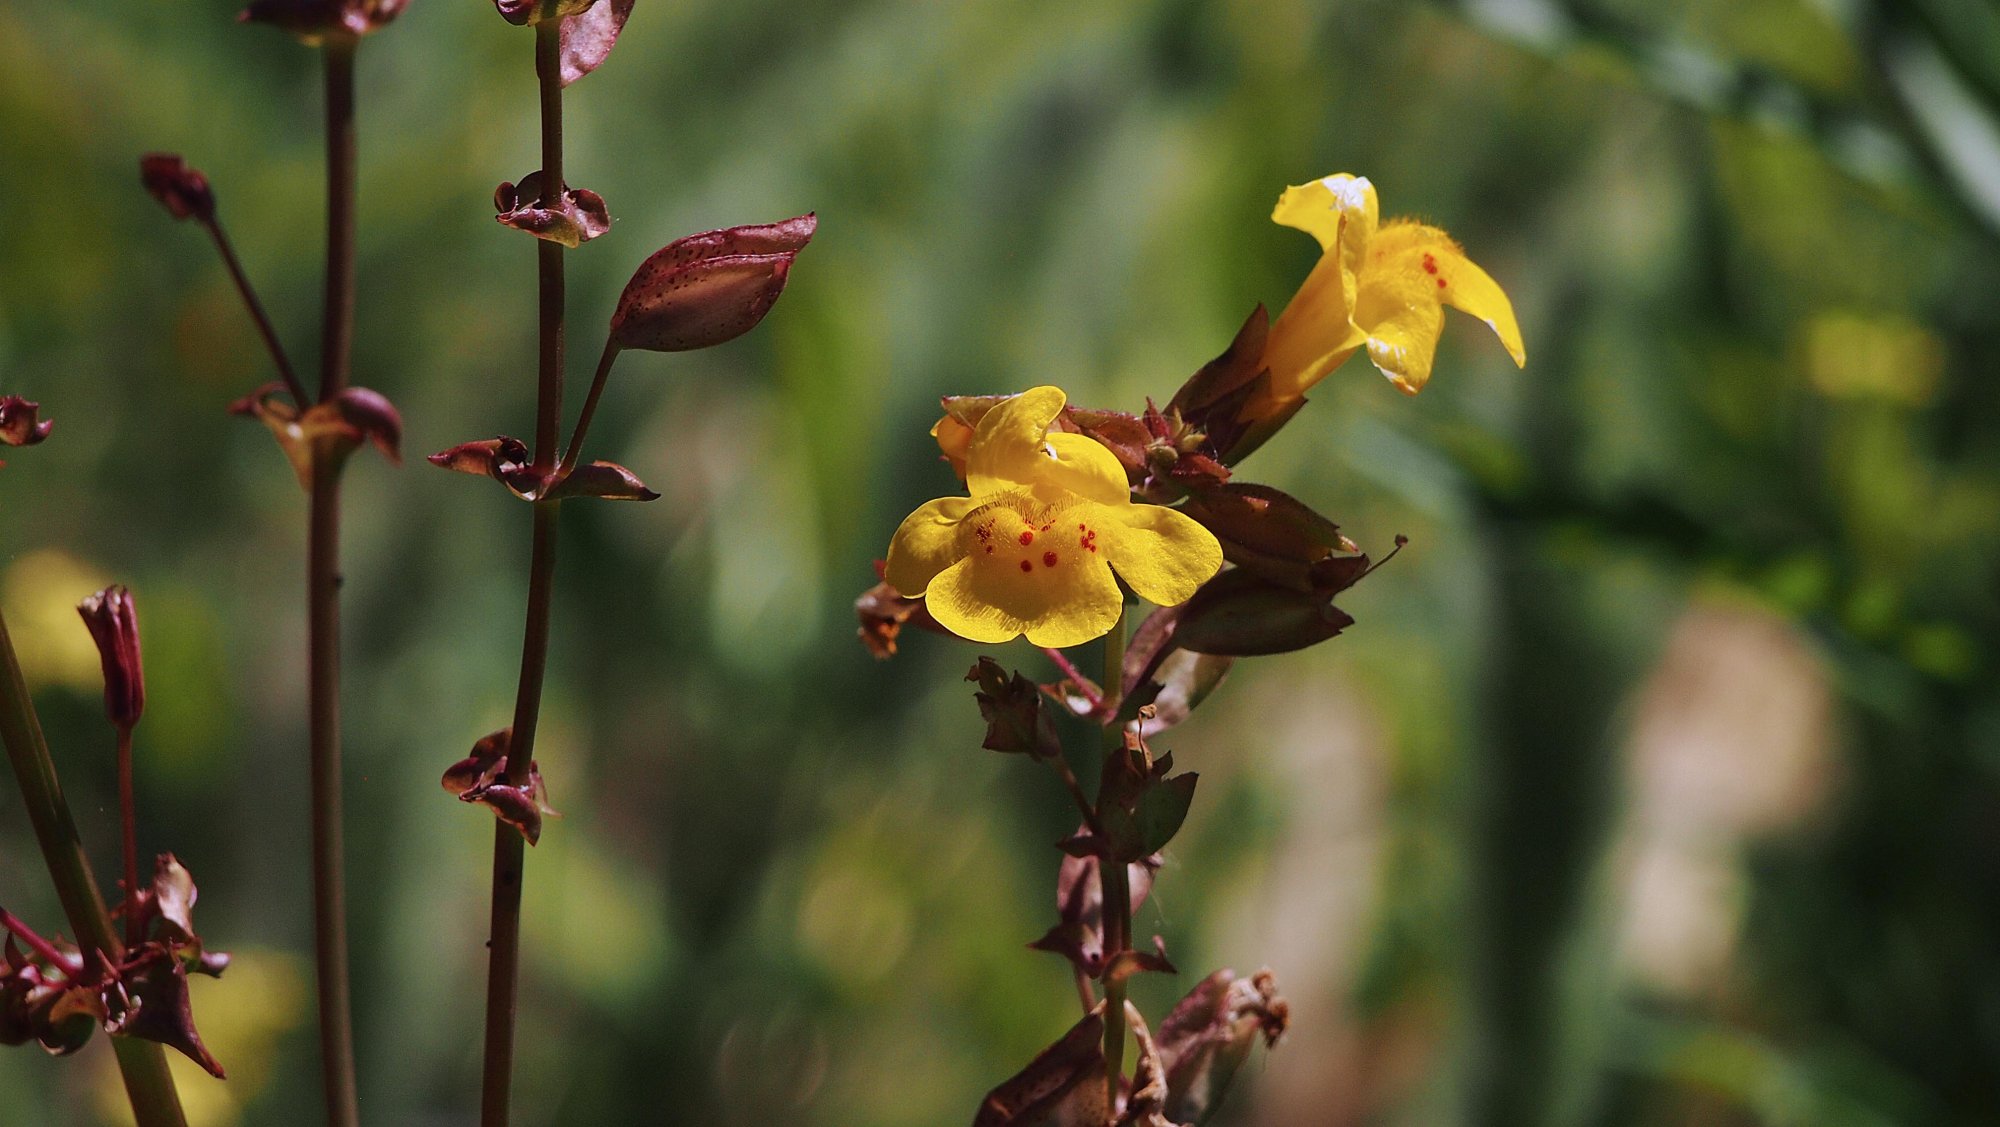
{"x": 509, "y": 849}
{"x": 336, "y": 1028}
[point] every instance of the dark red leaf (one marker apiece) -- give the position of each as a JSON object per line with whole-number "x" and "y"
{"x": 1209, "y": 1034}
{"x": 539, "y": 11}
{"x": 1062, "y": 1087}
{"x": 608, "y": 480}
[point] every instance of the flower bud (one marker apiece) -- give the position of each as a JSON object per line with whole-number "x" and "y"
{"x": 182, "y": 190}
{"x": 708, "y": 288}
{"x": 114, "y": 626}
{"x": 315, "y": 21}
{"x": 579, "y": 215}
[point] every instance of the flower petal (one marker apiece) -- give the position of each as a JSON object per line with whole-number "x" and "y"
{"x": 1403, "y": 319}
{"x": 1429, "y": 261}
{"x": 1315, "y": 334}
{"x": 1162, "y": 554}
{"x": 1339, "y": 210}
{"x": 1087, "y": 468}
{"x": 1054, "y": 607}
{"x": 925, "y": 543}
{"x": 1009, "y": 447}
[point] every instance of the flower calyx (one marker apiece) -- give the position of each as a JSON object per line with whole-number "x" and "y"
{"x": 21, "y": 423}
{"x": 575, "y": 217}
{"x": 483, "y": 777}
{"x": 57, "y": 995}
{"x": 181, "y": 189}
{"x": 324, "y": 434}
{"x": 707, "y": 288}
{"x": 313, "y": 22}
{"x": 508, "y": 460}
{"x": 113, "y": 621}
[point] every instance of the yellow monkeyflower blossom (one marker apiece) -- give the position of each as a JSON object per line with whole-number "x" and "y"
{"x": 1379, "y": 285}
{"x": 1032, "y": 550}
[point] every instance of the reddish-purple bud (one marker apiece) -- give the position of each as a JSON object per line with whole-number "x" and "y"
{"x": 708, "y": 288}
{"x": 182, "y": 190}
{"x": 114, "y": 626}
{"x": 313, "y": 21}
{"x": 577, "y": 217}
{"x": 21, "y": 423}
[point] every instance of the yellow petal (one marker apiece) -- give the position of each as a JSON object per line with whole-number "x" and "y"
{"x": 1425, "y": 252}
{"x": 1163, "y": 555}
{"x": 1087, "y": 468}
{"x": 989, "y": 599}
{"x": 1009, "y": 447}
{"x": 1339, "y": 210}
{"x": 926, "y": 543}
{"x": 1402, "y": 317}
{"x": 1315, "y": 334}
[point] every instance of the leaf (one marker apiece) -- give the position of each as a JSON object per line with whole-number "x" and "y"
{"x": 520, "y": 12}
{"x": 882, "y": 612}
{"x": 588, "y": 36}
{"x": 710, "y": 287}
{"x": 173, "y": 898}
{"x": 1061, "y": 1087}
{"x": 1151, "y": 820}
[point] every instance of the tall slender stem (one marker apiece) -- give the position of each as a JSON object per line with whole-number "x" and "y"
{"x": 336, "y": 1025}
{"x": 128, "y": 817}
{"x": 257, "y": 314}
{"x": 509, "y": 851}
{"x": 1116, "y": 880}
{"x": 148, "y": 1085}
{"x": 337, "y": 327}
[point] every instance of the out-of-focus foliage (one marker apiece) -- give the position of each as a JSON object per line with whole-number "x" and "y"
{"x": 1656, "y": 783}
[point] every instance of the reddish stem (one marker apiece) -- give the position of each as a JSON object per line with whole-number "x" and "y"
{"x": 128, "y": 816}
{"x": 69, "y": 963}
{"x": 257, "y": 314}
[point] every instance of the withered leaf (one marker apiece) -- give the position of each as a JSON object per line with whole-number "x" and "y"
{"x": 1277, "y": 537}
{"x": 1079, "y": 931}
{"x": 1062, "y": 1087}
{"x": 1017, "y": 718}
{"x": 607, "y": 480}
{"x": 882, "y": 612}
{"x": 1209, "y": 1034}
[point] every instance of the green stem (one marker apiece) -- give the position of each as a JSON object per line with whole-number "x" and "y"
{"x": 336, "y": 1023}
{"x": 1116, "y": 882}
{"x": 148, "y": 1084}
{"x": 509, "y": 852}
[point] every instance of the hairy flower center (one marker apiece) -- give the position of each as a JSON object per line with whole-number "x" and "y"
{"x": 1021, "y": 534}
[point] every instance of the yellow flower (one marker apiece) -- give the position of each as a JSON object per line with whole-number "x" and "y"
{"x": 1382, "y": 285}
{"x": 1032, "y": 550}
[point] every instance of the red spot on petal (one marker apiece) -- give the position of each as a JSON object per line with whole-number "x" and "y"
{"x": 1026, "y": 566}
{"x": 1440, "y": 283}
{"x": 1048, "y": 559}
{"x": 1430, "y": 265}
{"x": 989, "y": 549}
{"x": 1027, "y": 538}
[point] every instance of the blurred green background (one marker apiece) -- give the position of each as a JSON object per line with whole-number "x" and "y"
{"x": 1659, "y": 782}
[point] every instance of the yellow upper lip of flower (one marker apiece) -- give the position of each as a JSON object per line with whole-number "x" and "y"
{"x": 1033, "y": 548}
{"x": 1379, "y": 285}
